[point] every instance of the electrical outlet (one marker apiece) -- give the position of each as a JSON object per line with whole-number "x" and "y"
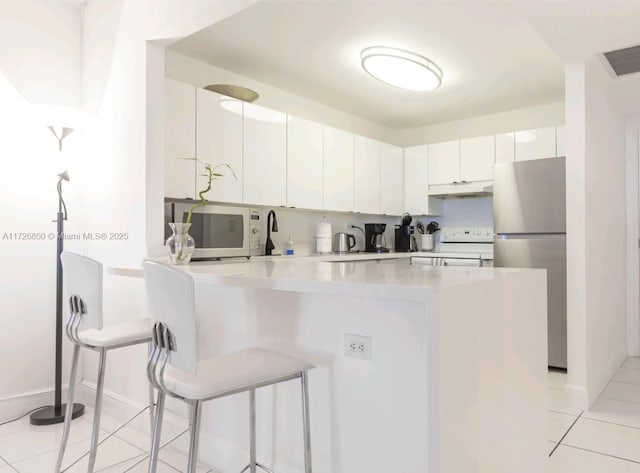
{"x": 357, "y": 346}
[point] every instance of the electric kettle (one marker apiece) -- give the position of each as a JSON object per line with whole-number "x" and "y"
{"x": 343, "y": 242}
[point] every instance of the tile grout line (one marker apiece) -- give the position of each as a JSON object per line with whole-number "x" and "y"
{"x": 624, "y": 382}
{"x": 565, "y": 434}
{"x": 8, "y": 464}
{"x": 612, "y": 423}
{"x": 601, "y": 453}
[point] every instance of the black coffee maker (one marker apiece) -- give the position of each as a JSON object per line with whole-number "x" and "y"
{"x": 404, "y": 235}
{"x": 374, "y": 241}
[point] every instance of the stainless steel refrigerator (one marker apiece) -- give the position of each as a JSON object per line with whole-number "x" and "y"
{"x": 529, "y": 208}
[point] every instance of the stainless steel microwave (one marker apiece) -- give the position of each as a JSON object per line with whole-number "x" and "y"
{"x": 219, "y": 231}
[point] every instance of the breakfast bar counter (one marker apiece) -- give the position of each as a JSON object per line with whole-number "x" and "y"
{"x": 418, "y": 368}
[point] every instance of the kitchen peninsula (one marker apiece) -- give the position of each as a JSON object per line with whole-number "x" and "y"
{"x": 449, "y": 374}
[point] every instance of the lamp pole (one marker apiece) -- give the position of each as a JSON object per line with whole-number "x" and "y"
{"x": 55, "y": 414}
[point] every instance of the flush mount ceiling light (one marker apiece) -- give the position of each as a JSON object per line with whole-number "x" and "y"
{"x": 525, "y": 136}
{"x": 401, "y": 68}
{"x": 237, "y": 99}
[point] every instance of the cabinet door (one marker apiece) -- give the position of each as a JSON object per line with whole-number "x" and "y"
{"x": 391, "y": 179}
{"x": 304, "y": 164}
{"x": 218, "y": 141}
{"x": 505, "y": 148}
{"x": 179, "y": 139}
{"x": 338, "y": 169}
{"x": 560, "y": 141}
{"x": 444, "y": 162}
{"x": 265, "y": 156}
{"x": 477, "y": 156}
{"x": 537, "y": 143}
{"x": 366, "y": 175}
{"x": 416, "y": 183}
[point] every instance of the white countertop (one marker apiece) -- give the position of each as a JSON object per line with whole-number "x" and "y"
{"x": 387, "y": 276}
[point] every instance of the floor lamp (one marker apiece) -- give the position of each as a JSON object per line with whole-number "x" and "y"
{"x": 55, "y": 414}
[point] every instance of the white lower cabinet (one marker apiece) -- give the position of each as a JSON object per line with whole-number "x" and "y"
{"x": 366, "y": 175}
{"x": 391, "y": 179}
{"x": 304, "y": 164}
{"x": 416, "y": 183}
{"x": 179, "y": 139}
{"x": 218, "y": 141}
{"x": 265, "y": 156}
{"x": 338, "y": 170}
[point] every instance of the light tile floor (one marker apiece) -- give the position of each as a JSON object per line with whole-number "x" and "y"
{"x": 603, "y": 439}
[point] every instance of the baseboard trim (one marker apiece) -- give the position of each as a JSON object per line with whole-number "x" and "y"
{"x": 14, "y": 406}
{"x": 576, "y": 396}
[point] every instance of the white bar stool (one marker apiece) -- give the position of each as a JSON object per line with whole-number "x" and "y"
{"x": 83, "y": 282}
{"x": 174, "y": 370}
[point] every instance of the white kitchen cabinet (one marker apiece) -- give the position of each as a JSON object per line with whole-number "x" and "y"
{"x": 366, "y": 175}
{"x": 416, "y": 183}
{"x": 477, "y": 156}
{"x": 560, "y": 150}
{"x": 391, "y": 179}
{"x": 179, "y": 139}
{"x": 338, "y": 169}
{"x": 505, "y": 148}
{"x": 218, "y": 141}
{"x": 536, "y": 143}
{"x": 304, "y": 163}
{"x": 444, "y": 162}
{"x": 265, "y": 156}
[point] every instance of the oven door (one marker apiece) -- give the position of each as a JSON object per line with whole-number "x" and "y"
{"x": 441, "y": 261}
{"x": 218, "y": 231}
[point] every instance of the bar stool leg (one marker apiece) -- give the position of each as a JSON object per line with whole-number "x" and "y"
{"x": 151, "y": 397}
{"x": 196, "y": 414}
{"x": 157, "y": 430}
{"x": 252, "y": 431}
{"x": 305, "y": 421}
{"x": 69, "y": 410}
{"x": 97, "y": 411}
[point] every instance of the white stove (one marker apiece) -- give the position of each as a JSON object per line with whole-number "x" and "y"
{"x": 460, "y": 246}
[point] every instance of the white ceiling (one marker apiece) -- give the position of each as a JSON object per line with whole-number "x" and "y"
{"x": 491, "y": 57}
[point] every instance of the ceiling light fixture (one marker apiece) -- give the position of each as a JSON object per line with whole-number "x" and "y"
{"x": 525, "y": 136}
{"x": 237, "y": 99}
{"x": 401, "y": 68}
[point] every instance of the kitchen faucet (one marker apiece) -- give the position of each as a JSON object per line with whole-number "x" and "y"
{"x": 269, "y": 246}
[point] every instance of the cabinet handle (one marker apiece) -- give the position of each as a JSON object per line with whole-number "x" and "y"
{"x": 454, "y": 182}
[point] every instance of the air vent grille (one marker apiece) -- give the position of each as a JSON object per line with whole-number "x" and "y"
{"x": 624, "y": 61}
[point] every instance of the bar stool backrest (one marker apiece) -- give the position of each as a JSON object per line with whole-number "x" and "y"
{"x": 171, "y": 301}
{"x": 82, "y": 277}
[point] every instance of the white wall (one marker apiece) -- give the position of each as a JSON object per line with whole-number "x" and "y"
{"x": 40, "y": 43}
{"x": 633, "y": 235}
{"x": 596, "y": 259}
{"x": 192, "y": 71}
{"x": 122, "y": 82}
{"x": 503, "y": 122}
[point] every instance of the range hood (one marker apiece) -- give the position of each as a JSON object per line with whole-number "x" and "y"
{"x": 462, "y": 190}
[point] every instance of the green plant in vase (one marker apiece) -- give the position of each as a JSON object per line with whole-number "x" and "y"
{"x": 181, "y": 245}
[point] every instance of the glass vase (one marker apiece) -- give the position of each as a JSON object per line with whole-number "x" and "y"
{"x": 180, "y": 244}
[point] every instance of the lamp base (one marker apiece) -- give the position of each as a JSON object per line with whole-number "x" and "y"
{"x": 49, "y": 415}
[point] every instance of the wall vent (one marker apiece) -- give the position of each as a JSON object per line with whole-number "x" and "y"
{"x": 624, "y": 61}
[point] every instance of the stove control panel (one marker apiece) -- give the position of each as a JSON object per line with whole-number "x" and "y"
{"x": 466, "y": 235}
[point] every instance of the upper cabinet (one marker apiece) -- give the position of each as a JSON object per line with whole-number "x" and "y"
{"x": 536, "y": 143}
{"x": 304, "y": 163}
{"x": 366, "y": 175}
{"x": 391, "y": 179}
{"x": 179, "y": 140}
{"x": 265, "y": 156}
{"x": 219, "y": 141}
{"x": 444, "y": 162}
{"x": 416, "y": 183}
{"x": 560, "y": 151}
{"x": 505, "y": 148}
{"x": 338, "y": 170}
{"x": 477, "y": 156}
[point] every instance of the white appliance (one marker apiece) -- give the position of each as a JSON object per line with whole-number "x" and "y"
{"x": 461, "y": 246}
